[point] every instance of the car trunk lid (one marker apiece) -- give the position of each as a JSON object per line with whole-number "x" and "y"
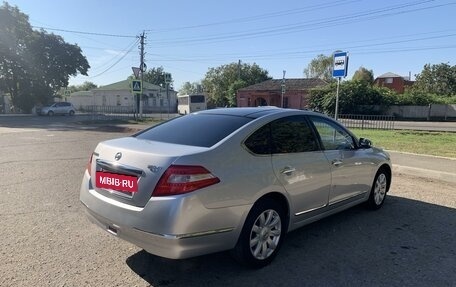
{"x": 128, "y": 169}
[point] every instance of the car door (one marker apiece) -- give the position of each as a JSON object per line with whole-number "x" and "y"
{"x": 299, "y": 164}
{"x": 58, "y": 109}
{"x": 351, "y": 169}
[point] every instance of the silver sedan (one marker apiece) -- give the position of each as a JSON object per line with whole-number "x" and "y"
{"x": 230, "y": 179}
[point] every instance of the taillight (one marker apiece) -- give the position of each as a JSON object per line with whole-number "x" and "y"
{"x": 180, "y": 179}
{"x": 89, "y": 165}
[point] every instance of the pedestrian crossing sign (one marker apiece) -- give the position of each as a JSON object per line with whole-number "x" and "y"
{"x": 136, "y": 86}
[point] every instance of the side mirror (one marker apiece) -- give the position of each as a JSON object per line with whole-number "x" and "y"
{"x": 364, "y": 143}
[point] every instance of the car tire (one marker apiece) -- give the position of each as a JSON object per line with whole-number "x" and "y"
{"x": 71, "y": 113}
{"x": 50, "y": 113}
{"x": 262, "y": 234}
{"x": 379, "y": 189}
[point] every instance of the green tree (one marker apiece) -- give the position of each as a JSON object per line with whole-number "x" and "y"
{"x": 364, "y": 75}
{"x": 321, "y": 68}
{"x": 355, "y": 97}
{"x": 232, "y": 91}
{"x": 221, "y": 83}
{"x": 86, "y": 86}
{"x": 190, "y": 88}
{"x": 34, "y": 65}
{"x": 436, "y": 79}
{"x": 157, "y": 76}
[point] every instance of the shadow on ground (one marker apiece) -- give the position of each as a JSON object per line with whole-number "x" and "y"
{"x": 406, "y": 243}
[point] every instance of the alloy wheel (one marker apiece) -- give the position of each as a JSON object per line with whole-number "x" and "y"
{"x": 380, "y": 189}
{"x": 265, "y": 234}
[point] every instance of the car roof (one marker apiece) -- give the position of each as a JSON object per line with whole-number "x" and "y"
{"x": 243, "y": 112}
{"x": 253, "y": 112}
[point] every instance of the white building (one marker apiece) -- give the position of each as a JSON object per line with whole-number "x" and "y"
{"x": 154, "y": 98}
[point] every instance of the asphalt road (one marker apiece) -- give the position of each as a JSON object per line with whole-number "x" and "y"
{"x": 47, "y": 241}
{"x": 29, "y": 121}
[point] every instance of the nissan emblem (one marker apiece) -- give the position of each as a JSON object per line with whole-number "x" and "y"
{"x": 118, "y": 155}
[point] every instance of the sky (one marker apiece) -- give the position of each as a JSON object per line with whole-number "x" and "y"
{"x": 187, "y": 38}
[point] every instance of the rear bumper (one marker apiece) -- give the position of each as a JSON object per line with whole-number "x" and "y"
{"x": 176, "y": 229}
{"x": 169, "y": 246}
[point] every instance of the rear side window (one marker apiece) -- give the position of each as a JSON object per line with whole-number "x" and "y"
{"x": 292, "y": 135}
{"x": 259, "y": 141}
{"x": 203, "y": 130}
{"x": 287, "y": 135}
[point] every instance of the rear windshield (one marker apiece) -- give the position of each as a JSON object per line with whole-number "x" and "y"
{"x": 203, "y": 130}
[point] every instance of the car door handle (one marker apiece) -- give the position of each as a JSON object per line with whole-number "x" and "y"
{"x": 336, "y": 162}
{"x": 287, "y": 170}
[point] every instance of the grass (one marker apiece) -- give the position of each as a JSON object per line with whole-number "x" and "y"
{"x": 420, "y": 142}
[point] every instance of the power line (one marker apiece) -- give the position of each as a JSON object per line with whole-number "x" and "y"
{"x": 303, "y": 26}
{"x": 261, "y": 16}
{"x": 124, "y": 51}
{"x": 84, "y": 33}
{"x": 120, "y": 59}
{"x": 281, "y": 53}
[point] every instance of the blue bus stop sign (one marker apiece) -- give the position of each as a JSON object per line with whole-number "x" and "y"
{"x": 340, "y": 66}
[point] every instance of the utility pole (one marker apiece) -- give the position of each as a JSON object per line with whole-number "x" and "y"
{"x": 142, "y": 67}
{"x": 283, "y": 86}
{"x": 167, "y": 81}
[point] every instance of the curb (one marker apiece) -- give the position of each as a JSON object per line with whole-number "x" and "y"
{"x": 420, "y": 154}
{"x": 426, "y": 173}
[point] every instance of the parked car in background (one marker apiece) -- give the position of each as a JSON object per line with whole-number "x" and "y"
{"x": 59, "y": 108}
{"x": 235, "y": 178}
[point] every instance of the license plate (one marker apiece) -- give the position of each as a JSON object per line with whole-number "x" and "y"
{"x": 118, "y": 182}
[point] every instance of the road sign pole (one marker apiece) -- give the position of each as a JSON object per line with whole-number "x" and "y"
{"x": 283, "y": 87}
{"x": 142, "y": 65}
{"x": 340, "y": 69}
{"x": 337, "y": 99}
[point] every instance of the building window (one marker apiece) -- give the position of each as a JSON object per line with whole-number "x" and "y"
{"x": 118, "y": 100}
{"x": 388, "y": 80}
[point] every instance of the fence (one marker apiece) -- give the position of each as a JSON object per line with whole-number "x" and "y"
{"x": 429, "y": 112}
{"x": 108, "y": 112}
{"x": 121, "y": 113}
{"x": 376, "y": 122}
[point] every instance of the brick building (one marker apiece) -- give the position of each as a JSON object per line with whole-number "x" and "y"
{"x": 269, "y": 93}
{"x": 393, "y": 82}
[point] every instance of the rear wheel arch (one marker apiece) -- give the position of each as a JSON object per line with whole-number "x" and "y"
{"x": 281, "y": 199}
{"x": 273, "y": 208}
